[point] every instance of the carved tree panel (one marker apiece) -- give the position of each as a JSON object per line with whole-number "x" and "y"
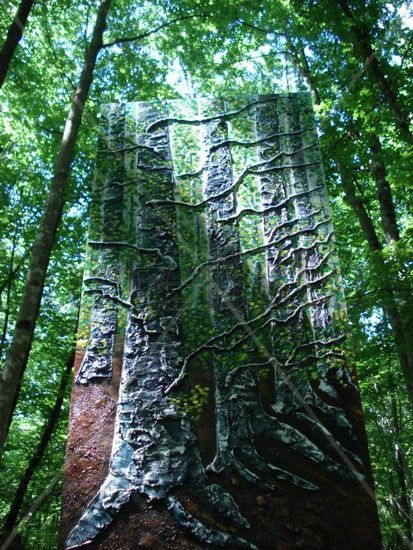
{"x": 214, "y": 401}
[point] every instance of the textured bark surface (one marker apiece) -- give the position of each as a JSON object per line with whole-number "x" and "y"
{"x": 14, "y": 35}
{"x": 214, "y": 402}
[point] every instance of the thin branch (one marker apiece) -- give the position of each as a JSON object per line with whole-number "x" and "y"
{"x": 259, "y": 29}
{"x": 128, "y": 39}
{"x": 8, "y": 294}
{"x": 12, "y": 274}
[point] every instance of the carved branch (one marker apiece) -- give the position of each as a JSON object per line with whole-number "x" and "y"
{"x": 209, "y": 345}
{"x": 234, "y": 187}
{"x": 281, "y": 225}
{"x": 313, "y": 343}
{"x": 272, "y": 361}
{"x": 256, "y": 250}
{"x": 132, "y": 246}
{"x": 271, "y": 208}
{"x": 270, "y": 137}
{"x": 195, "y": 121}
{"x": 101, "y": 280}
{"x": 113, "y": 298}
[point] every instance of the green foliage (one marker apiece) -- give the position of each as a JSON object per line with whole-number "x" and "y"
{"x": 193, "y": 402}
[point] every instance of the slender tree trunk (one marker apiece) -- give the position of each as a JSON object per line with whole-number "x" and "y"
{"x": 403, "y": 346}
{"x": 16, "y": 505}
{"x": 18, "y": 354}
{"x": 301, "y": 61}
{"x": 404, "y": 508}
{"x": 12, "y": 274}
{"x": 359, "y": 209}
{"x": 401, "y": 339}
{"x": 403, "y": 500}
{"x": 364, "y": 49}
{"x": 8, "y": 297}
{"x": 400, "y": 272}
{"x": 384, "y": 193}
{"x": 13, "y": 37}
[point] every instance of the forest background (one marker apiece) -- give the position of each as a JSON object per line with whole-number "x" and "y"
{"x": 60, "y": 60}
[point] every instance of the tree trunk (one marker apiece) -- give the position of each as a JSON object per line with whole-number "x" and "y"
{"x": 8, "y": 297}
{"x": 364, "y": 49}
{"x": 384, "y": 283}
{"x": 14, "y": 35}
{"x": 359, "y": 209}
{"x": 18, "y": 354}
{"x": 404, "y": 509}
{"x": 384, "y": 193}
{"x": 16, "y": 505}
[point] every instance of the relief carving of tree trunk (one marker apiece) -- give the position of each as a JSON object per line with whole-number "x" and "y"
{"x": 226, "y": 411}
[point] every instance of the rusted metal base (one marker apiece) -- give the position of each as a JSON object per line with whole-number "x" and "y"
{"x": 341, "y": 514}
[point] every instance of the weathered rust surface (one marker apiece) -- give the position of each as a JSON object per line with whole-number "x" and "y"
{"x": 91, "y": 426}
{"x": 340, "y": 515}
